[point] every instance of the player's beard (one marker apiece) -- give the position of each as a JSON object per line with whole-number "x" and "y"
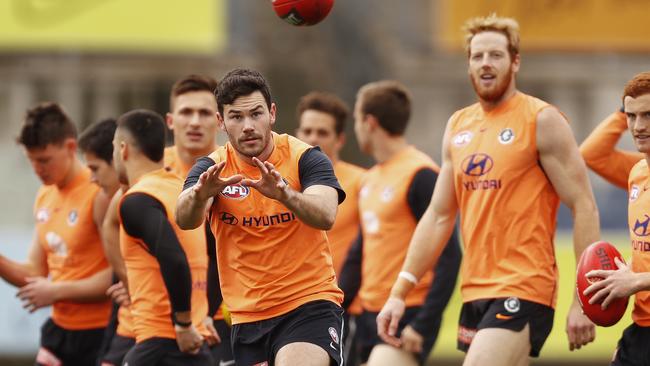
{"x": 495, "y": 93}
{"x": 251, "y": 152}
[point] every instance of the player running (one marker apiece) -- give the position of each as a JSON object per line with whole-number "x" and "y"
{"x": 508, "y": 161}
{"x": 395, "y": 195}
{"x": 270, "y": 198}
{"x": 166, "y": 267}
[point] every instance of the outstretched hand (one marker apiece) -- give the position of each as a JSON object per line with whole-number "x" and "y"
{"x": 270, "y": 183}
{"x": 210, "y": 184}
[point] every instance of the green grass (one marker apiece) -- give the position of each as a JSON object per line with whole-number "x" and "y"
{"x": 556, "y": 346}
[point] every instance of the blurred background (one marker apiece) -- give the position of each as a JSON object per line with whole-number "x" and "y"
{"x": 101, "y": 58}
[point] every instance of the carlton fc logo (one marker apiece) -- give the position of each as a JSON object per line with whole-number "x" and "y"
{"x": 236, "y": 192}
{"x": 641, "y": 226}
{"x": 506, "y": 136}
{"x": 477, "y": 165}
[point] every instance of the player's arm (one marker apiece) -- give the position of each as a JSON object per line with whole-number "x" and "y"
{"x": 350, "y": 278}
{"x": 601, "y": 155}
{"x": 17, "y": 273}
{"x": 427, "y": 243}
{"x": 145, "y": 218}
{"x": 446, "y": 270}
{"x": 111, "y": 238}
{"x": 321, "y": 194}
{"x": 564, "y": 167}
{"x": 201, "y": 187}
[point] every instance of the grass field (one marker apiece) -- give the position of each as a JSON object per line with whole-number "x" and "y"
{"x": 556, "y": 349}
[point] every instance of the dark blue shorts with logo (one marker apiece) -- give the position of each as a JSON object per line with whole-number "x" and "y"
{"x": 506, "y": 313}
{"x": 317, "y": 322}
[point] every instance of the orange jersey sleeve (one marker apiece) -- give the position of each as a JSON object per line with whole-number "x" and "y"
{"x": 70, "y": 239}
{"x": 601, "y": 155}
{"x": 639, "y": 226}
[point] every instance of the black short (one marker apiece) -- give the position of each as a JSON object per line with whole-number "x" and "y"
{"x": 222, "y": 352}
{"x": 118, "y": 348}
{"x": 634, "y": 347}
{"x": 316, "y": 322}
{"x": 165, "y": 352}
{"x": 70, "y": 347}
{"x": 368, "y": 338}
{"x": 506, "y": 313}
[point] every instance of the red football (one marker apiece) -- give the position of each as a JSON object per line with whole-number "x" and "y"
{"x": 302, "y": 12}
{"x": 599, "y": 255}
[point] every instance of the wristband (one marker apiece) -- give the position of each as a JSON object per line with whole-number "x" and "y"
{"x": 180, "y": 323}
{"x": 408, "y": 276}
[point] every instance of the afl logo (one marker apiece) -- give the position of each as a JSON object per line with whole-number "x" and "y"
{"x": 641, "y": 227}
{"x": 236, "y": 192}
{"x": 634, "y": 193}
{"x": 506, "y": 136}
{"x": 463, "y": 138}
{"x": 477, "y": 165}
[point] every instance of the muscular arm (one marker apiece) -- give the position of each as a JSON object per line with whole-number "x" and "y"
{"x": 321, "y": 194}
{"x": 561, "y": 161}
{"x": 111, "y": 238}
{"x": 601, "y": 155}
{"x": 16, "y": 273}
{"x": 446, "y": 270}
{"x": 434, "y": 228}
{"x": 145, "y": 218}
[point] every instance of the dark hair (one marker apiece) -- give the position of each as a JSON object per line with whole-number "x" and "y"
{"x": 46, "y": 124}
{"x": 326, "y": 103}
{"x": 192, "y": 83}
{"x": 389, "y": 102}
{"x": 637, "y": 86}
{"x": 241, "y": 82}
{"x": 98, "y": 139}
{"x": 147, "y": 129}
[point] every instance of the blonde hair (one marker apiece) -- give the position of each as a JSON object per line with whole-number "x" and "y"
{"x": 492, "y": 23}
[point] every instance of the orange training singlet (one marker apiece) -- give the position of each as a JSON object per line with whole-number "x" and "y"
{"x": 507, "y": 204}
{"x": 600, "y": 153}
{"x": 270, "y": 262}
{"x": 638, "y": 220}
{"x": 69, "y": 237}
{"x": 150, "y": 306}
{"x": 388, "y": 224}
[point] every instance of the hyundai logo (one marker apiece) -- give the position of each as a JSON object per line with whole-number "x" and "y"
{"x": 477, "y": 165}
{"x": 228, "y": 218}
{"x": 641, "y": 227}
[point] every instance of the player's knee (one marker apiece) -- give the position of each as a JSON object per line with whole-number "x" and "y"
{"x": 302, "y": 353}
{"x": 385, "y": 355}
